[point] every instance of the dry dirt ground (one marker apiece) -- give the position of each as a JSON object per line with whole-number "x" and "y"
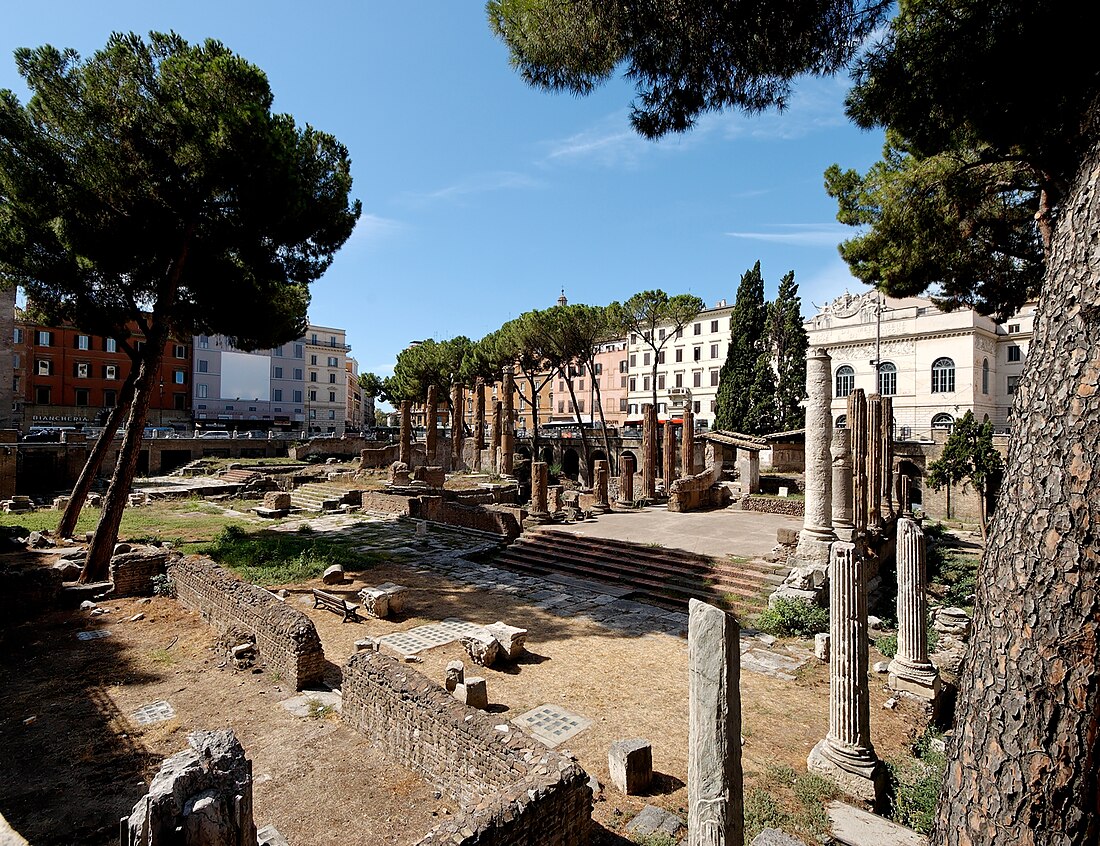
{"x": 81, "y": 762}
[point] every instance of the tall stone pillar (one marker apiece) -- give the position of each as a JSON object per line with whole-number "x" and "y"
{"x": 431, "y": 432}
{"x": 687, "y": 444}
{"x": 479, "y": 417}
{"x": 874, "y": 463}
{"x": 458, "y": 425}
{"x": 668, "y": 468}
{"x": 716, "y": 814}
{"x": 842, "y": 484}
{"x": 888, "y": 457}
{"x": 600, "y": 478}
{"x": 911, "y": 670}
{"x": 507, "y": 423}
{"x": 817, "y": 528}
{"x": 857, "y": 424}
{"x": 627, "y": 467}
{"x": 846, "y": 754}
{"x": 494, "y": 430}
{"x": 649, "y": 451}
{"x": 404, "y": 442}
{"x": 540, "y": 502}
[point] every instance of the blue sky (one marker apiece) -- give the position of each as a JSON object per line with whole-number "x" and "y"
{"x": 482, "y": 197}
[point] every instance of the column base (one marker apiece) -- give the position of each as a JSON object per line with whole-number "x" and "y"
{"x": 537, "y": 518}
{"x": 919, "y": 679}
{"x": 813, "y": 548}
{"x": 600, "y": 509}
{"x": 859, "y": 774}
{"x": 844, "y": 532}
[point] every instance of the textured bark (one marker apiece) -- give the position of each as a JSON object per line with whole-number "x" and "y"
{"x": 1024, "y": 761}
{"x": 95, "y": 459}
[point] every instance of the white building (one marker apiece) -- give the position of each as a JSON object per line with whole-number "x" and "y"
{"x": 326, "y": 379}
{"x": 690, "y": 360}
{"x": 936, "y": 365}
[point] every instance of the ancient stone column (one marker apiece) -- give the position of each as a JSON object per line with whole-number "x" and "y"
{"x": 668, "y": 468}
{"x": 716, "y": 814}
{"x": 842, "y": 484}
{"x": 687, "y": 444}
{"x": 846, "y": 754}
{"x": 817, "y": 528}
{"x": 911, "y": 670}
{"x": 479, "y": 417}
{"x": 540, "y": 505}
{"x": 857, "y": 424}
{"x": 600, "y": 478}
{"x": 458, "y": 425}
{"x": 649, "y": 451}
{"x": 888, "y": 457}
{"x": 874, "y": 463}
{"x": 627, "y": 467}
{"x": 494, "y": 433}
{"x": 431, "y": 417}
{"x": 404, "y": 443}
{"x": 507, "y": 423}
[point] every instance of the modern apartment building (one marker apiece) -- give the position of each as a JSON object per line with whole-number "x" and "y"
{"x": 355, "y": 410}
{"x": 612, "y": 380}
{"x": 326, "y": 388}
{"x": 936, "y": 365}
{"x": 689, "y": 363}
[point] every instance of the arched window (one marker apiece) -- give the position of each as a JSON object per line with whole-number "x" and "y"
{"x": 943, "y": 375}
{"x": 985, "y": 375}
{"x": 943, "y": 421}
{"x": 887, "y": 379}
{"x": 845, "y": 380}
{"x": 842, "y": 421}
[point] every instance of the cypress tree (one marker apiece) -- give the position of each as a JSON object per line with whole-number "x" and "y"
{"x": 788, "y": 343}
{"x": 746, "y": 344}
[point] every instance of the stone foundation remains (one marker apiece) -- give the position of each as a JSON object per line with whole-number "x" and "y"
{"x": 132, "y": 572}
{"x": 769, "y": 505}
{"x": 702, "y": 490}
{"x": 286, "y": 639}
{"x": 512, "y": 790}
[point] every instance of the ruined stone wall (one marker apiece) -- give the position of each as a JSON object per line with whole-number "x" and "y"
{"x": 788, "y": 457}
{"x": 378, "y": 458}
{"x": 385, "y": 503}
{"x": 26, "y": 590}
{"x": 495, "y": 519}
{"x": 699, "y": 491}
{"x": 132, "y": 572}
{"x": 767, "y": 505}
{"x": 286, "y": 639}
{"x": 511, "y": 788}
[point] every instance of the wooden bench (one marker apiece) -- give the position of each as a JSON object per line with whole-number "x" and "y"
{"x": 336, "y": 604}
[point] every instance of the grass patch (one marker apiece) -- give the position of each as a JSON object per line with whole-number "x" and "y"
{"x": 179, "y": 521}
{"x": 952, "y": 570}
{"x": 277, "y": 558}
{"x": 793, "y": 618}
{"x": 162, "y": 656}
{"x": 318, "y": 710}
{"x": 915, "y": 784}
{"x": 655, "y": 838}
{"x": 790, "y": 801}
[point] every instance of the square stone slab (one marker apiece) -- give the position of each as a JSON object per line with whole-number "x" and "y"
{"x": 552, "y": 724}
{"x": 154, "y": 712}
{"x": 306, "y": 703}
{"x": 417, "y": 640}
{"x": 93, "y": 634}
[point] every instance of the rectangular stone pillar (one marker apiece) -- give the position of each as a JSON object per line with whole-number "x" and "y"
{"x": 817, "y": 528}
{"x": 494, "y": 430}
{"x": 404, "y": 443}
{"x": 716, "y": 814}
{"x": 507, "y": 423}
{"x": 649, "y": 451}
{"x": 857, "y": 424}
{"x": 911, "y": 670}
{"x": 479, "y": 417}
{"x": 600, "y": 478}
{"x": 627, "y": 468}
{"x": 458, "y": 425}
{"x": 668, "y": 469}
{"x": 431, "y": 433}
{"x": 540, "y": 506}
{"x": 687, "y": 443}
{"x": 748, "y": 465}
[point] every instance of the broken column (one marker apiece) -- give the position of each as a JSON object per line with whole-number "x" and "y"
{"x": 627, "y": 466}
{"x": 600, "y": 478}
{"x": 687, "y": 443}
{"x": 649, "y": 451}
{"x": 911, "y": 670}
{"x": 874, "y": 463}
{"x": 748, "y": 467}
{"x": 668, "y": 466}
{"x": 817, "y": 528}
{"x": 842, "y": 484}
{"x": 494, "y": 438}
{"x": 540, "y": 508}
{"x": 507, "y": 424}
{"x": 479, "y": 420}
{"x": 888, "y": 457}
{"x": 857, "y": 425}
{"x": 458, "y": 425}
{"x": 201, "y": 796}
{"x": 715, "y": 801}
{"x": 846, "y": 754}
{"x": 431, "y": 433}
{"x": 404, "y": 443}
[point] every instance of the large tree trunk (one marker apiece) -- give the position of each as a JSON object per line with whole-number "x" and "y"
{"x": 106, "y": 533}
{"x": 580, "y": 425}
{"x": 1026, "y": 754}
{"x": 95, "y": 460}
{"x": 603, "y": 419}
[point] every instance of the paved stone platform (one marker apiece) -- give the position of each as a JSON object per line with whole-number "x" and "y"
{"x": 552, "y": 724}
{"x": 154, "y": 712}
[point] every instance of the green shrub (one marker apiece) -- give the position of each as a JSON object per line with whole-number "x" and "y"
{"x": 793, "y": 618}
{"x": 654, "y": 838}
{"x": 762, "y": 811}
{"x": 915, "y": 785}
{"x": 163, "y": 586}
{"x": 887, "y": 645}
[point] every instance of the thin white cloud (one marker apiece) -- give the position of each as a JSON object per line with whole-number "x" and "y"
{"x": 373, "y": 229}
{"x": 800, "y": 234}
{"x": 478, "y": 183}
{"x": 815, "y": 105}
{"x": 611, "y": 142}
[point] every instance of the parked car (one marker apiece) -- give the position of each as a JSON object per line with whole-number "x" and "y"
{"x": 214, "y": 434}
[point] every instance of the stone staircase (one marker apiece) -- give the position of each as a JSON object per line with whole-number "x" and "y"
{"x": 657, "y": 575}
{"x": 312, "y": 496}
{"x": 240, "y": 477}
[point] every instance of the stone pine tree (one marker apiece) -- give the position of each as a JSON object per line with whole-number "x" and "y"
{"x": 949, "y": 78}
{"x": 787, "y": 344}
{"x": 739, "y": 372}
{"x": 152, "y": 186}
{"x": 969, "y": 456}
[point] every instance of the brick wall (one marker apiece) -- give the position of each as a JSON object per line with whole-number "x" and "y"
{"x": 286, "y": 639}
{"x": 767, "y": 505}
{"x": 132, "y": 572}
{"x": 495, "y": 519}
{"x": 386, "y": 503}
{"x": 511, "y": 788}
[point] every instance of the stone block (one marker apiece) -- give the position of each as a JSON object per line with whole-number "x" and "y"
{"x": 375, "y": 602}
{"x": 456, "y": 675}
{"x": 475, "y": 692}
{"x": 630, "y": 763}
{"x": 60, "y": 503}
{"x": 787, "y": 537}
{"x": 821, "y": 646}
{"x": 952, "y": 621}
{"x": 367, "y": 644}
{"x": 433, "y": 477}
{"x": 277, "y": 500}
{"x": 395, "y": 594}
{"x": 512, "y": 639}
{"x": 333, "y": 575}
{"x": 655, "y": 821}
{"x": 482, "y": 648}
{"x": 70, "y": 570}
